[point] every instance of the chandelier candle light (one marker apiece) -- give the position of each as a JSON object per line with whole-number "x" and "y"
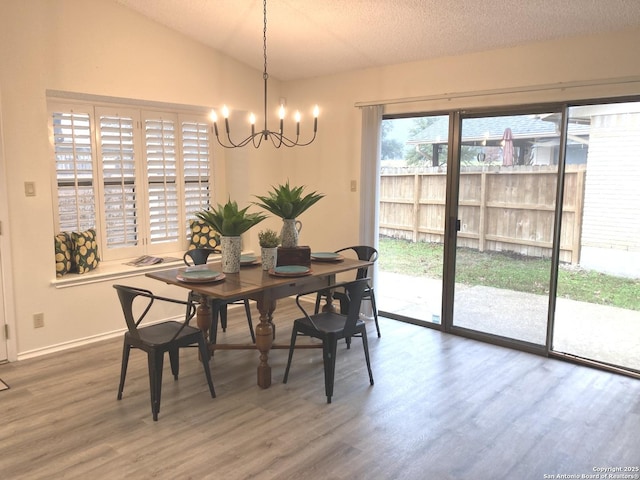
{"x": 278, "y": 138}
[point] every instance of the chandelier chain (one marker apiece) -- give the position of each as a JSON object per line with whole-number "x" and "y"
{"x": 264, "y": 40}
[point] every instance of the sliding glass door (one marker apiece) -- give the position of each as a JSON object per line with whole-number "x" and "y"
{"x": 541, "y": 249}
{"x": 508, "y": 169}
{"x": 413, "y": 181}
{"x": 597, "y": 314}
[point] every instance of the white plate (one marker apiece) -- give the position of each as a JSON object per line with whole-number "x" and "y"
{"x": 200, "y": 275}
{"x": 248, "y": 259}
{"x": 290, "y": 271}
{"x": 326, "y": 256}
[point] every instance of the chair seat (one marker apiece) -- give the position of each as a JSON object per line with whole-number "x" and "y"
{"x": 327, "y": 323}
{"x": 163, "y": 333}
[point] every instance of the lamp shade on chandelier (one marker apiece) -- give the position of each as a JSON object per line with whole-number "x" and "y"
{"x": 256, "y": 137}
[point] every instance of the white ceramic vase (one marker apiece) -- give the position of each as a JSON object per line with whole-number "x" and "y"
{"x": 231, "y": 250}
{"x": 290, "y": 230}
{"x": 269, "y": 256}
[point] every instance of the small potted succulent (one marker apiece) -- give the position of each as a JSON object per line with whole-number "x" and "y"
{"x": 230, "y": 222}
{"x": 288, "y": 203}
{"x": 268, "y": 240}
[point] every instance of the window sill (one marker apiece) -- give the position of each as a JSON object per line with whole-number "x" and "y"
{"x": 117, "y": 269}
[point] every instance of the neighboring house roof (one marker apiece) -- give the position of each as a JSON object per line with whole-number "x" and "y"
{"x": 492, "y": 129}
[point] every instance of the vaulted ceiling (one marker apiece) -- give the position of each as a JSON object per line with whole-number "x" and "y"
{"x": 309, "y": 38}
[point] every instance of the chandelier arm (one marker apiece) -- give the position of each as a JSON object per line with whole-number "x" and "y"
{"x": 277, "y": 139}
{"x": 287, "y": 142}
{"x": 253, "y": 140}
{"x": 232, "y": 144}
{"x": 273, "y": 141}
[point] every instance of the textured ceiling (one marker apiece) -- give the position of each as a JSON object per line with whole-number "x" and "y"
{"x": 309, "y": 38}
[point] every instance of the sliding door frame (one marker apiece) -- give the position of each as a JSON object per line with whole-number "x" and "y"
{"x": 451, "y": 223}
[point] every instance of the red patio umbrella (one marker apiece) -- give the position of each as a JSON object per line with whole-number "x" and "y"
{"x": 507, "y": 147}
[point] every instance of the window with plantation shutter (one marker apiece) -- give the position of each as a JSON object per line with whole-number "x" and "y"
{"x": 119, "y": 180}
{"x": 195, "y": 159}
{"x": 136, "y": 175}
{"x": 74, "y": 170}
{"x": 162, "y": 177}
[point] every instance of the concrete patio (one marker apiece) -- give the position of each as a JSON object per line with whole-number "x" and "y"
{"x": 596, "y": 332}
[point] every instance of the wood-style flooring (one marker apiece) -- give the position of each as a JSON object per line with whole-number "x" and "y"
{"x": 442, "y": 407}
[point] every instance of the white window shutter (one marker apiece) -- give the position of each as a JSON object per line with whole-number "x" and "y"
{"x": 121, "y": 195}
{"x": 74, "y": 170}
{"x": 196, "y": 137}
{"x": 162, "y": 178}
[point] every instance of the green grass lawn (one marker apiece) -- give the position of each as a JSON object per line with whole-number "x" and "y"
{"x": 514, "y": 272}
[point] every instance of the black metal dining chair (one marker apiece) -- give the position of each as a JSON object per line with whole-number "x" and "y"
{"x": 199, "y": 256}
{"x": 331, "y": 327}
{"x": 363, "y": 252}
{"x": 158, "y": 338}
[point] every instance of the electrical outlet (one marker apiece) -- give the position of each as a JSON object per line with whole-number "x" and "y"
{"x": 354, "y": 185}
{"x": 38, "y": 320}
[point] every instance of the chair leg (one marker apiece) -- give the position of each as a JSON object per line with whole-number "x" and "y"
{"x": 223, "y": 317}
{"x": 247, "y": 309}
{"x": 375, "y": 311}
{"x": 123, "y": 369}
{"x": 204, "y": 356}
{"x": 174, "y": 359}
{"x": 292, "y": 346}
{"x": 329, "y": 349}
{"x": 317, "y": 307}
{"x": 214, "y": 307}
{"x": 155, "y": 360}
{"x": 365, "y": 345}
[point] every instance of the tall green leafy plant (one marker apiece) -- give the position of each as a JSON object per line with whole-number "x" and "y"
{"x": 287, "y": 202}
{"x": 228, "y": 220}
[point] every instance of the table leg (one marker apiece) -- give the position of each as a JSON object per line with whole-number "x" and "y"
{"x": 203, "y": 316}
{"x": 264, "y": 340}
{"x": 329, "y": 307}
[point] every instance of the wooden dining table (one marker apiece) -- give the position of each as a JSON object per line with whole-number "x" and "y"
{"x": 265, "y": 288}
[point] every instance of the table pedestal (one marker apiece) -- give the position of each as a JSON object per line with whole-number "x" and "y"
{"x": 264, "y": 340}
{"x": 203, "y": 318}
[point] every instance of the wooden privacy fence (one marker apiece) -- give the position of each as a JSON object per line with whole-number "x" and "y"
{"x": 500, "y": 208}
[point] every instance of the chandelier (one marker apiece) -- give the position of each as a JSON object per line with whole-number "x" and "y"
{"x": 278, "y": 138}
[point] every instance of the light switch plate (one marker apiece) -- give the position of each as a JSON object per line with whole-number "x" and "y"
{"x": 30, "y": 189}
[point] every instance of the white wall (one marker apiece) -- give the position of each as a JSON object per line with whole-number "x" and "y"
{"x": 71, "y": 45}
{"x": 98, "y": 48}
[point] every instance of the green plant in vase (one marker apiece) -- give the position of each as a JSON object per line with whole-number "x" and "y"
{"x": 288, "y": 203}
{"x": 268, "y": 240}
{"x": 230, "y": 222}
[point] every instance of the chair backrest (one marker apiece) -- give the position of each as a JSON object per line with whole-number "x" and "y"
{"x": 355, "y": 291}
{"x": 197, "y": 256}
{"x": 364, "y": 252}
{"x": 127, "y": 295}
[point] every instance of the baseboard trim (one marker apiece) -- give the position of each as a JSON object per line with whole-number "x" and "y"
{"x": 38, "y": 352}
